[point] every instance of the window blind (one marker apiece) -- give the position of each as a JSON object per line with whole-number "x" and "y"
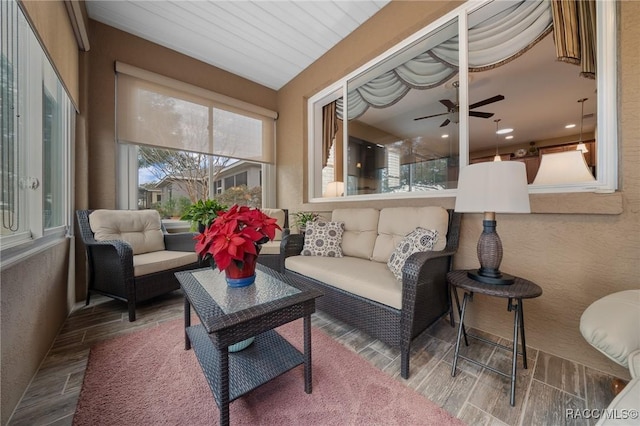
{"x": 155, "y": 110}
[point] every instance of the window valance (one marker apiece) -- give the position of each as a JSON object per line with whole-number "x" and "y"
{"x": 503, "y": 36}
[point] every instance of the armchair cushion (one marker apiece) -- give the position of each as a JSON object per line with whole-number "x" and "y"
{"x": 142, "y": 229}
{"x": 279, "y": 215}
{"x": 158, "y": 261}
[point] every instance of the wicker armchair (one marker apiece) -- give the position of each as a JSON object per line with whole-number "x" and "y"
{"x": 111, "y": 269}
{"x": 425, "y": 295}
{"x": 270, "y": 253}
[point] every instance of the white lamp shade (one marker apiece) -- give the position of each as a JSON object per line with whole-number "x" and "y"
{"x": 499, "y": 187}
{"x": 334, "y": 189}
{"x": 563, "y": 167}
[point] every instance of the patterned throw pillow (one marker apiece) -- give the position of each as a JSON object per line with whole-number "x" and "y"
{"x": 323, "y": 239}
{"x": 420, "y": 239}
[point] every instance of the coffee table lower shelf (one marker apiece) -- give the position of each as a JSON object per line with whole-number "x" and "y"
{"x": 266, "y": 358}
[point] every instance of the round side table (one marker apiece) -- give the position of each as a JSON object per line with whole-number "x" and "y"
{"x": 520, "y": 289}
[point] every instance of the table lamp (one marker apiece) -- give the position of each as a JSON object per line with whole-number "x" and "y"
{"x": 563, "y": 167}
{"x": 334, "y": 189}
{"x": 490, "y": 188}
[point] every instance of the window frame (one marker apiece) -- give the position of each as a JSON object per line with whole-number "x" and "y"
{"x": 35, "y": 69}
{"x": 607, "y": 107}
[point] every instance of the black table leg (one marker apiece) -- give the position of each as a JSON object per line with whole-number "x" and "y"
{"x": 514, "y": 360}
{"x": 307, "y": 354}
{"x": 187, "y": 323}
{"x": 223, "y": 386}
{"x": 464, "y": 330}
{"x": 523, "y": 341}
{"x": 460, "y": 328}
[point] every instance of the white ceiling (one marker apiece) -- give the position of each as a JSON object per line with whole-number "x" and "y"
{"x": 272, "y": 41}
{"x": 269, "y": 42}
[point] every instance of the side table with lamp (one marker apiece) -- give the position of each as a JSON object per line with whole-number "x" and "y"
{"x": 490, "y": 188}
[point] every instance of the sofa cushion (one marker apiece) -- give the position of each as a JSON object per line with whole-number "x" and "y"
{"x": 365, "y": 278}
{"x": 270, "y": 247}
{"x": 278, "y": 215}
{"x": 323, "y": 239}
{"x": 140, "y": 228}
{"x": 360, "y": 230}
{"x": 419, "y": 240}
{"x": 157, "y": 261}
{"x": 396, "y": 222}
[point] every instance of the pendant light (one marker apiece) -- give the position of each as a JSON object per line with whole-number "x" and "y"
{"x": 497, "y": 156}
{"x": 581, "y": 146}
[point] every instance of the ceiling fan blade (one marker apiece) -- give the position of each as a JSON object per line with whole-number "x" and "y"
{"x": 430, "y": 116}
{"x": 487, "y": 101}
{"x": 449, "y": 104}
{"x": 481, "y": 114}
{"x": 445, "y": 122}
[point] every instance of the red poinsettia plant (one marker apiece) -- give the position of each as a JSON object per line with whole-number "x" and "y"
{"x": 234, "y": 234}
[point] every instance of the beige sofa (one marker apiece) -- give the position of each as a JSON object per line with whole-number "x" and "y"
{"x": 131, "y": 257}
{"x": 361, "y": 290}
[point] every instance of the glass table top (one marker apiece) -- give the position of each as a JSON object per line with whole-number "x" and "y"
{"x": 234, "y": 299}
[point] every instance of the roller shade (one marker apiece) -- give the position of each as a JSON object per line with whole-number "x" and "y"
{"x": 157, "y": 111}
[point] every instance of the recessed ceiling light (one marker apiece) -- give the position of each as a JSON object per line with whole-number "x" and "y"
{"x": 570, "y": 126}
{"x": 504, "y": 131}
{"x": 445, "y": 136}
{"x": 509, "y": 137}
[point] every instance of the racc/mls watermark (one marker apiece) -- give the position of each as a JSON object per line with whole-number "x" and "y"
{"x": 607, "y": 413}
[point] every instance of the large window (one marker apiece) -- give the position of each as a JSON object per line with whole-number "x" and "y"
{"x": 37, "y": 123}
{"x": 188, "y": 137}
{"x": 404, "y": 124}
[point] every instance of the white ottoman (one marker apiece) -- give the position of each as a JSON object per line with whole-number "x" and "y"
{"x": 612, "y": 325}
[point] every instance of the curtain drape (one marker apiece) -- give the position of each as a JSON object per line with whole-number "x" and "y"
{"x": 574, "y": 31}
{"x": 492, "y": 42}
{"x": 330, "y": 127}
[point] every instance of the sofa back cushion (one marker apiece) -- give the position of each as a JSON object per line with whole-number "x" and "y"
{"x": 277, "y": 214}
{"x": 396, "y": 222}
{"x": 360, "y": 230}
{"x": 142, "y": 229}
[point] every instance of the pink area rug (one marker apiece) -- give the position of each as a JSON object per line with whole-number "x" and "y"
{"x": 147, "y": 378}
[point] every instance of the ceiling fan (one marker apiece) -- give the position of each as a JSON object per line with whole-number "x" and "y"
{"x": 453, "y": 108}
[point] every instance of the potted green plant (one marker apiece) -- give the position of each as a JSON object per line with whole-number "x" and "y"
{"x": 302, "y": 218}
{"x": 202, "y": 213}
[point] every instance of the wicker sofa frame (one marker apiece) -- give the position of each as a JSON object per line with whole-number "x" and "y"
{"x": 425, "y": 296}
{"x": 110, "y": 267}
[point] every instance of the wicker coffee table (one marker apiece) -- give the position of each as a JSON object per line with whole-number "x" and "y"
{"x": 230, "y": 315}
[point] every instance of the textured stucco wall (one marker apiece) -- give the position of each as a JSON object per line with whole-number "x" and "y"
{"x": 576, "y": 258}
{"x": 33, "y": 298}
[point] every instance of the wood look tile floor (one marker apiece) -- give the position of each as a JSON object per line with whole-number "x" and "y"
{"x": 544, "y": 393}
